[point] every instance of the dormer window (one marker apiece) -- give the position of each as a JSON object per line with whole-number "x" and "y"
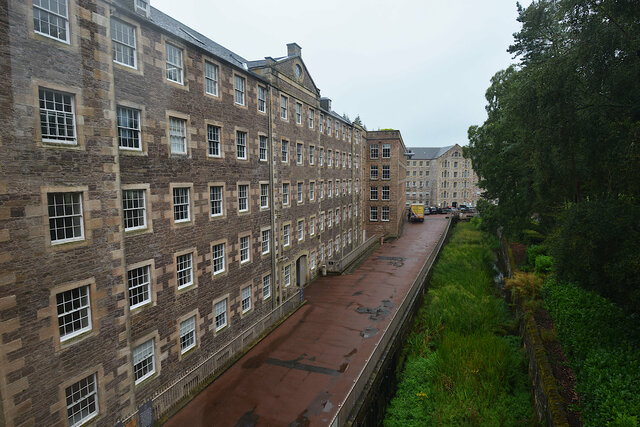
{"x": 142, "y": 6}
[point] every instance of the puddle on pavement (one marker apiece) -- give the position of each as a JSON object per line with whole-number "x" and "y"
{"x": 369, "y": 332}
{"x": 377, "y": 313}
{"x": 249, "y": 419}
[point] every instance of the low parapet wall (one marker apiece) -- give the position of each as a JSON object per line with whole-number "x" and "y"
{"x": 367, "y": 396}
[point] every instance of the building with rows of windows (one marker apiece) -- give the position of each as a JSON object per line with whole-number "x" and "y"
{"x": 441, "y": 177}
{"x": 384, "y": 196}
{"x": 163, "y": 201}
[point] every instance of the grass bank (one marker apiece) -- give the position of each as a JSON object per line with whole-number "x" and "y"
{"x": 463, "y": 366}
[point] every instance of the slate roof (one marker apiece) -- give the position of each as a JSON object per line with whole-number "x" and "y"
{"x": 193, "y": 37}
{"x": 427, "y": 153}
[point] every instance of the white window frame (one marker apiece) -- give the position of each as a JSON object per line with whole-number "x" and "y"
{"x": 298, "y": 113}
{"x": 79, "y": 301}
{"x": 284, "y": 107}
{"x": 178, "y": 135}
{"x": 301, "y": 230}
{"x": 218, "y": 261}
{"x": 211, "y": 73}
{"x": 40, "y": 9}
{"x": 373, "y": 151}
{"x": 386, "y": 168}
{"x": 184, "y": 270}
{"x": 125, "y": 45}
{"x": 77, "y": 215}
{"x": 220, "y": 314}
{"x": 264, "y": 196}
{"x": 286, "y": 235}
{"x": 245, "y": 249}
{"x": 386, "y": 149}
{"x": 139, "y": 283}
{"x": 266, "y": 287}
{"x": 241, "y": 145}
{"x": 140, "y": 355}
{"x": 262, "y": 101}
{"x": 285, "y": 193}
{"x": 187, "y": 334}
{"x": 386, "y": 192}
{"x": 53, "y": 115}
{"x": 213, "y": 140}
{"x": 187, "y": 204}
{"x": 285, "y": 151}
{"x": 266, "y": 241}
{"x": 385, "y": 209}
{"x": 240, "y": 84}
{"x": 373, "y": 175}
{"x": 245, "y": 296}
{"x": 263, "y": 154}
{"x": 128, "y": 120}
{"x": 216, "y": 203}
{"x": 177, "y": 64}
{"x": 287, "y": 275}
{"x": 311, "y": 113}
{"x": 136, "y": 204}
{"x": 299, "y": 153}
{"x": 244, "y": 197}
{"x": 85, "y": 393}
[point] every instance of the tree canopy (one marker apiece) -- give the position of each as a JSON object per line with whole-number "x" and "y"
{"x": 561, "y": 144}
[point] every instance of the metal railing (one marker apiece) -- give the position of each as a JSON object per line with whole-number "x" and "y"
{"x": 347, "y": 405}
{"x": 337, "y": 266}
{"x": 170, "y": 395}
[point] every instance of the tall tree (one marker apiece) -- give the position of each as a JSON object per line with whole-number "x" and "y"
{"x": 563, "y": 131}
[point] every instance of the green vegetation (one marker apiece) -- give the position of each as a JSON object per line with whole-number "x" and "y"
{"x": 559, "y": 148}
{"x": 602, "y": 344}
{"x": 560, "y": 151}
{"x": 462, "y": 366}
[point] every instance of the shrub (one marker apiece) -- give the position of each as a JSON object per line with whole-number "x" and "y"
{"x": 533, "y": 251}
{"x": 543, "y": 265}
{"x": 602, "y": 344}
{"x": 524, "y": 285}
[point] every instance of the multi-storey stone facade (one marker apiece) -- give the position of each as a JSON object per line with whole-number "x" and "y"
{"x": 441, "y": 177}
{"x": 384, "y": 193}
{"x": 162, "y": 200}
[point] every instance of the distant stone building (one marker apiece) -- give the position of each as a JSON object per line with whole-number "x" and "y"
{"x": 441, "y": 176}
{"x": 384, "y": 190}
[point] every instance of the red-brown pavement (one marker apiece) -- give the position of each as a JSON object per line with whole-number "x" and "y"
{"x": 302, "y": 371}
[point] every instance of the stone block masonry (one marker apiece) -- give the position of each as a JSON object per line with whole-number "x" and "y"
{"x": 146, "y": 235}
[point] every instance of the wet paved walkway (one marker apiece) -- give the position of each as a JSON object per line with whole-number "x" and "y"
{"x": 301, "y": 371}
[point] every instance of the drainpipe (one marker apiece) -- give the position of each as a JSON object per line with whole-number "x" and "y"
{"x": 274, "y": 231}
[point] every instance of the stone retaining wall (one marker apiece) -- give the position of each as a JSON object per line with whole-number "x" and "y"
{"x": 548, "y": 403}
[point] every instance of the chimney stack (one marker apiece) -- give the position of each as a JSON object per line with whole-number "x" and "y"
{"x": 325, "y": 103}
{"x": 293, "y": 49}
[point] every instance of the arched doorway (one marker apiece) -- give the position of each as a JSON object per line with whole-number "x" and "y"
{"x": 301, "y": 271}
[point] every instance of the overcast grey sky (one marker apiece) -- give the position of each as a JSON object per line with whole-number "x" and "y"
{"x": 418, "y": 66}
